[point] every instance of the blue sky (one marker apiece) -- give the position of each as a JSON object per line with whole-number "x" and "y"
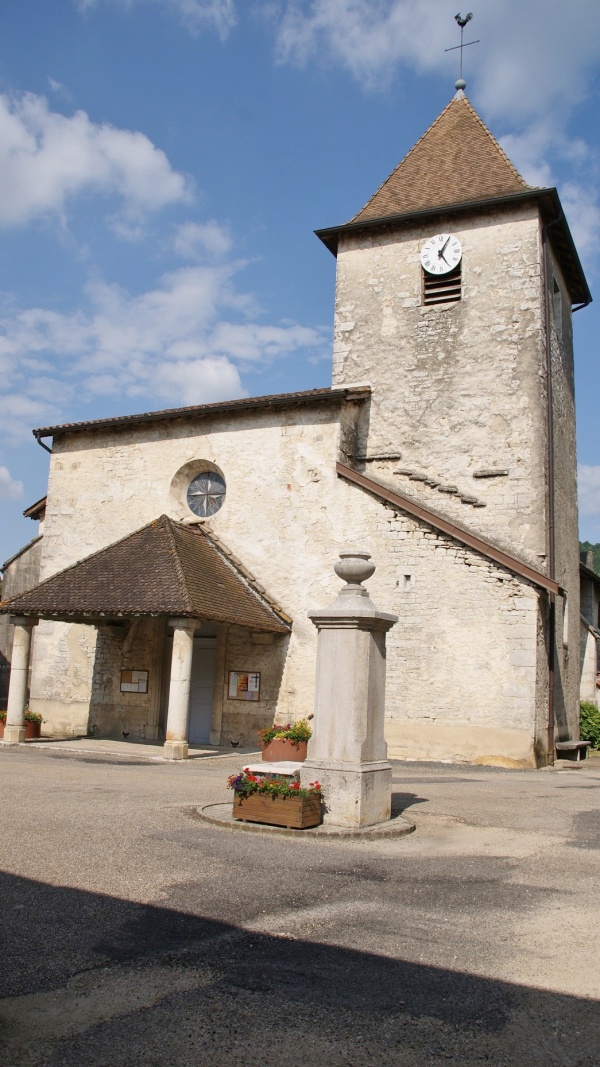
{"x": 163, "y": 164}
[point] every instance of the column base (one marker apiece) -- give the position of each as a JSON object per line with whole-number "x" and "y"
{"x": 14, "y": 735}
{"x": 175, "y": 750}
{"x": 354, "y": 794}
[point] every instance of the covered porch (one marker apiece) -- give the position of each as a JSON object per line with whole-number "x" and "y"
{"x": 186, "y": 639}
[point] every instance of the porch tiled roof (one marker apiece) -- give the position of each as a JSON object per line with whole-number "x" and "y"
{"x": 165, "y": 568}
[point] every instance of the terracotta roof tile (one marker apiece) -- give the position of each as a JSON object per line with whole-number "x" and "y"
{"x": 456, "y": 161}
{"x": 165, "y": 568}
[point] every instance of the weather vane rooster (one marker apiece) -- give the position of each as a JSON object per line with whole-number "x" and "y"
{"x": 462, "y": 21}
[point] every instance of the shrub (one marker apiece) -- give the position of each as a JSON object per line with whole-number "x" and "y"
{"x": 590, "y": 723}
{"x": 294, "y": 732}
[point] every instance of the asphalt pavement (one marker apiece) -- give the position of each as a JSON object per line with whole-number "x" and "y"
{"x": 133, "y": 933}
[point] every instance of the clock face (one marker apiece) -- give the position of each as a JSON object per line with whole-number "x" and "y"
{"x": 206, "y": 493}
{"x": 441, "y": 253}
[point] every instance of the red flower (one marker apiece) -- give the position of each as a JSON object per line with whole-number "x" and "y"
{"x": 296, "y": 785}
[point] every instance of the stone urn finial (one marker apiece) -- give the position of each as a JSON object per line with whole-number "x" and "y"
{"x": 354, "y": 568}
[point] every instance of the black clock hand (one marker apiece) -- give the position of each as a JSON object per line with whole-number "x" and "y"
{"x": 442, "y": 250}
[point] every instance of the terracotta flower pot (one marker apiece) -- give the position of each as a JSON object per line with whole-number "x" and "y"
{"x": 296, "y": 813}
{"x": 278, "y": 750}
{"x": 2, "y": 725}
{"x": 33, "y": 730}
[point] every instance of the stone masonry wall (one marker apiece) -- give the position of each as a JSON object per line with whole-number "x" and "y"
{"x": 462, "y": 661}
{"x": 456, "y": 387}
{"x": 567, "y": 644}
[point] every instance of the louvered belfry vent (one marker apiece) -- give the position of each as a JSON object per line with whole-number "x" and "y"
{"x": 442, "y": 289}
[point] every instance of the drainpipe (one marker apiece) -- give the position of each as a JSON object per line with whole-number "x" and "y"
{"x": 40, "y": 442}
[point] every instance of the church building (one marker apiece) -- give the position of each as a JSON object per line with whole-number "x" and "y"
{"x": 182, "y": 549}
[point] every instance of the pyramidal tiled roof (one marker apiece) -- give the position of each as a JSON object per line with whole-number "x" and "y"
{"x": 165, "y": 568}
{"x": 456, "y": 161}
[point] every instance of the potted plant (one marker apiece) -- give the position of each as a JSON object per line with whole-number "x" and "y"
{"x": 2, "y": 722}
{"x": 33, "y": 725}
{"x": 276, "y": 800}
{"x": 285, "y": 742}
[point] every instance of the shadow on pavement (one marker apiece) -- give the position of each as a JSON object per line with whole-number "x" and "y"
{"x": 92, "y": 980}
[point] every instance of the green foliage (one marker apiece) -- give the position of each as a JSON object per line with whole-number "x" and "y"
{"x": 272, "y": 785}
{"x": 590, "y": 723}
{"x": 30, "y": 716}
{"x": 292, "y": 731}
{"x": 587, "y": 546}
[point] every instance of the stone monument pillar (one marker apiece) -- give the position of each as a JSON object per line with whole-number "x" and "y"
{"x": 178, "y": 711}
{"x": 14, "y": 731}
{"x": 348, "y": 751}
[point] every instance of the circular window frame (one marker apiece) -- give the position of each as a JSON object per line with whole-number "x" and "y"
{"x": 180, "y": 484}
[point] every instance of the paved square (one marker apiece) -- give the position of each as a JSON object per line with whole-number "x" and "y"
{"x": 134, "y": 934}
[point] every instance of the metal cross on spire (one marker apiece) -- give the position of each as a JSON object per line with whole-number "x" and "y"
{"x": 462, "y": 22}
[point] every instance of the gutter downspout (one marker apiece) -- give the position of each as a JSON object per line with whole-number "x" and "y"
{"x": 40, "y": 442}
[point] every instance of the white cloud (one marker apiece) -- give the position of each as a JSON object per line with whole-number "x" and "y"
{"x": 59, "y": 88}
{"x": 21, "y": 411}
{"x": 195, "y": 15}
{"x": 193, "y": 240}
{"x": 211, "y": 379}
{"x": 188, "y": 340}
{"x": 533, "y": 57}
{"x": 589, "y": 490}
{"x": 535, "y": 63}
{"x": 530, "y": 152}
{"x": 10, "y": 489}
{"x": 47, "y": 158}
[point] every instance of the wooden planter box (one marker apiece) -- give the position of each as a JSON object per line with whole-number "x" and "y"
{"x": 277, "y": 751}
{"x": 296, "y": 813}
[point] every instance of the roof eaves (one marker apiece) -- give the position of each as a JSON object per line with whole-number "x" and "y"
{"x": 21, "y": 552}
{"x": 280, "y": 400}
{"x": 548, "y": 202}
{"x": 34, "y": 511}
{"x": 459, "y": 533}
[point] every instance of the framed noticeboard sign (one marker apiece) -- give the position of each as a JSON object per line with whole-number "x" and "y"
{"x": 244, "y": 685}
{"x": 134, "y": 681}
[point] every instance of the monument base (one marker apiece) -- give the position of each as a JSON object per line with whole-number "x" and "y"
{"x": 14, "y": 735}
{"x": 354, "y": 794}
{"x": 175, "y": 750}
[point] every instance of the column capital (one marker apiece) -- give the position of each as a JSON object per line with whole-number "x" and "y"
{"x": 182, "y": 623}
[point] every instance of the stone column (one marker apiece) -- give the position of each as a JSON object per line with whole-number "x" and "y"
{"x": 348, "y": 751}
{"x": 14, "y": 730}
{"x": 178, "y": 712}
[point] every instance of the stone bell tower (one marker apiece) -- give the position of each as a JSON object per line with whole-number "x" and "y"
{"x": 454, "y": 296}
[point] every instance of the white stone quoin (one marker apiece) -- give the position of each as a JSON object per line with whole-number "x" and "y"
{"x": 347, "y": 752}
{"x": 178, "y": 712}
{"x": 14, "y": 731}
